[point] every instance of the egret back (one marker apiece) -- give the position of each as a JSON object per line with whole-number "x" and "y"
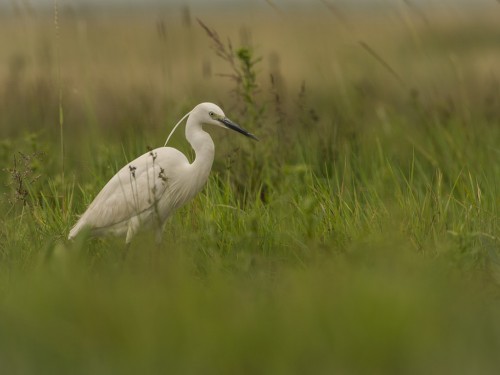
{"x": 147, "y": 186}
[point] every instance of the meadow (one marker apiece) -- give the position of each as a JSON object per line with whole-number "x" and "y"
{"x": 360, "y": 235}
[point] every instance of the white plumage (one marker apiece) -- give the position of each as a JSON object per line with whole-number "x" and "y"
{"x": 146, "y": 191}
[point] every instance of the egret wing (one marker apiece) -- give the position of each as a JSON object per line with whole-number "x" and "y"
{"x": 135, "y": 189}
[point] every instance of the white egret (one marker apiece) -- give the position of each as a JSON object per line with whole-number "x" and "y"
{"x": 146, "y": 191}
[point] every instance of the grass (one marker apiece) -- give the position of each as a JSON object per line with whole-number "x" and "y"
{"x": 361, "y": 235}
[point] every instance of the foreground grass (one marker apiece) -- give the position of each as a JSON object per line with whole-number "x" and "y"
{"x": 374, "y": 311}
{"x": 361, "y": 235}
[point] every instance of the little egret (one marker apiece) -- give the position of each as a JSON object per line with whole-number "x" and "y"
{"x": 146, "y": 191}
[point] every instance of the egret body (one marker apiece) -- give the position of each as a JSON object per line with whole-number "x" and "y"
{"x": 146, "y": 191}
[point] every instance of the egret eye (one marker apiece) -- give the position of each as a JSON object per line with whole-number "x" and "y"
{"x": 211, "y": 114}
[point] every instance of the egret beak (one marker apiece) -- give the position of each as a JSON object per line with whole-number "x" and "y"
{"x": 231, "y": 125}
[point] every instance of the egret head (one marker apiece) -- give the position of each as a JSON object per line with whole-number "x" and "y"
{"x": 212, "y": 114}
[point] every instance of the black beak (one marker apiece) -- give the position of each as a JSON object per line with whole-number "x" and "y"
{"x": 231, "y": 125}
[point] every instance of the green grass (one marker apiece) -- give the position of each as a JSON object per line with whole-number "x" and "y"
{"x": 361, "y": 235}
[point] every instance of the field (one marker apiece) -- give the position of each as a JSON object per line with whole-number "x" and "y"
{"x": 360, "y": 235}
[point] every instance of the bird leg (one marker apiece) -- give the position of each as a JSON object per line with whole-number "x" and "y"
{"x": 159, "y": 232}
{"x": 133, "y": 226}
{"x": 126, "y": 251}
{"x": 159, "y": 236}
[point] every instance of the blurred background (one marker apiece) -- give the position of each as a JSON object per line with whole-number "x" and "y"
{"x": 117, "y": 60}
{"x": 127, "y": 67}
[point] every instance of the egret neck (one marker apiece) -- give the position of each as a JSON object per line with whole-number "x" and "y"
{"x": 204, "y": 148}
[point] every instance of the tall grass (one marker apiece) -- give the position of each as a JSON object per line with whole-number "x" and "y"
{"x": 367, "y": 241}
